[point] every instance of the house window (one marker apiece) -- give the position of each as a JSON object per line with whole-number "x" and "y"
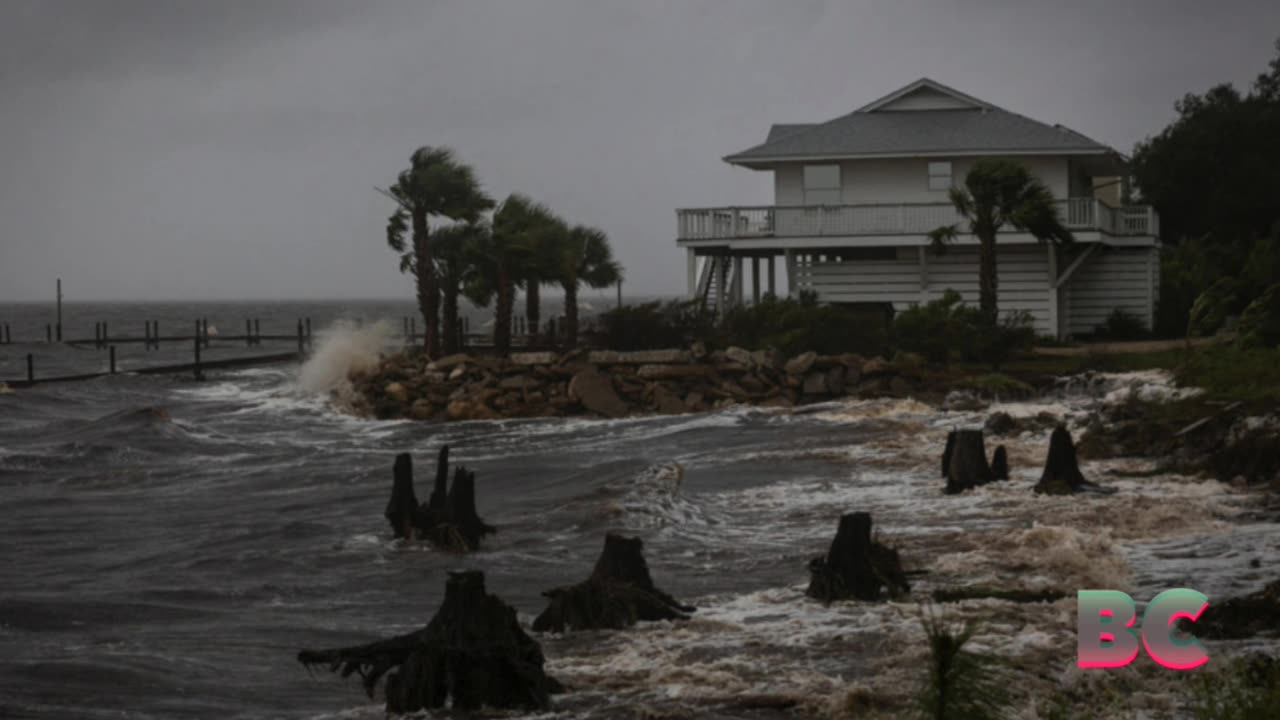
{"x": 822, "y": 185}
{"x": 939, "y": 175}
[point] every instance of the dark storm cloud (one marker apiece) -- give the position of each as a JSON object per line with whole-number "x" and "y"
{"x": 222, "y": 149}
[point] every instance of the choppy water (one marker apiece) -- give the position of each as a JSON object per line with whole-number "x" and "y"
{"x": 167, "y": 546}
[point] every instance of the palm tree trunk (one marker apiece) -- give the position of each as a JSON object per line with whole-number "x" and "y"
{"x": 532, "y": 304}
{"x": 428, "y": 291}
{"x": 987, "y": 275}
{"x": 502, "y": 320}
{"x": 449, "y": 316}
{"x": 571, "y": 313}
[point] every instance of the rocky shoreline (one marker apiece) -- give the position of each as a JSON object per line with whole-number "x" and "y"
{"x": 613, "y": 384}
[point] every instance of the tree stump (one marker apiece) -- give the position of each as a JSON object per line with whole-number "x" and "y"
{"x": 1062, "y": 474}
{"x": 967, "y": 466}
{"x": 1000, "y": 463}
{"x": 856, "y": 566}
{"x": 619, "y": 593}
{"x": 473, "y": 652}
{"x": 946, "y": 453}
{"x": 448, "y": 519}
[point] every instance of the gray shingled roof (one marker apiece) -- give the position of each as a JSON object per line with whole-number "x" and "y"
{"x": 894, "y": 133}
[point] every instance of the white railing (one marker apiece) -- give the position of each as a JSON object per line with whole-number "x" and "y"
{"x": 901, "y": 219}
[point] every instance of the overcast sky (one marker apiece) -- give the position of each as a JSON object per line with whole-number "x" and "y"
{"x": 229, "y": 149}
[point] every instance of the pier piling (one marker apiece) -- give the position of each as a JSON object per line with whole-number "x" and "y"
{"x": 48, "y": 333}
{"x": 257, "y": 332}
{"x": 112, "y": 353}
{"x": 31, "y": 368}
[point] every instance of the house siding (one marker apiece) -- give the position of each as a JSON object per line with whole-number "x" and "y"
{"x": 1022, "y": 282}
{"x": 906, "y": 180}
{"x": 1124, "y": 278}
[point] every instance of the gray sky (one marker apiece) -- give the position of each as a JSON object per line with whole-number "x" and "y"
{"x": 228, "y": 149}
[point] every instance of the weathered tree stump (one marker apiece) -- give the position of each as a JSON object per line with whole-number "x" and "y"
{"x": 1062, "y": 474}
{"x": 967, "y": 466}
{"x": 473, "y": 652}
{"x": 448, "y": 519}
{"x": 856, "y": 566}
{"x": 619, "y": 593}
{"x": 1000, "y": 463}
{"x": 946, "y": 453}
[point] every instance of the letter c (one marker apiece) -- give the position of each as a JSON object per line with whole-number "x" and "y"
{"x": 1158, "y": 622}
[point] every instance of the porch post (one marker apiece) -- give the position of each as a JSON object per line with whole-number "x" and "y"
{"x": 1052, "y": 289}
{"x": 924, "y": 275}
{"x": 771, "y": 275}
{"x": 692, "y": 261}
{"x": 755, "y": 279}
{"x": 737, "y": 280}
{"x": 789, "y": 257}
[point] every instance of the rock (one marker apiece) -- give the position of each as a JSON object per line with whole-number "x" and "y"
{"x": 667, "y": 402}
{"x": 963, "y": 400}
{"x": 740, "y": 356}
{"x": 638, "y": 357}
{"x": 875, "y": 366}
{"x": 458, "y": 372}
{"x": 752, "y": 384}
{"x": 693, "y": 401}
{"x": 815, "y": 383}
{"x": 519, "y": 382}
{"x": 800, "y": 364}
{"x": 769, "y": 359}
{"x": 671, "y": 372}
{"x": 595, "y": 391}
{"x": 1001, "y": 423}
{"x": 836, "y": 380}
{"x": 422, "y": 409}
{"x": 396, "y": 391}
{"x": 433, "y": 377}
{"x": 459, "y": 410}
{"x": 900, "y": 386}
{"x": 533, "y": 358}
{"x": 449, "y": 361}
{"x": 698, "y": 350}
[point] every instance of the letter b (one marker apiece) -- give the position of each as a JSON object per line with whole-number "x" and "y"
{"x": 1105, "y": 636}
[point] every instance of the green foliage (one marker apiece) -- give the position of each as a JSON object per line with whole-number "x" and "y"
{"x": 1214, "y": 170}
{"x": 796, "y": 325}
{"x": 655, "y": 325}
{"x": 946, "y": 329}
{"x": 1259, "y": 325}
{"x": 1121, "y": 325}
{"x": 1210, "y": 310}
{"x": 961, "y": 684}
{"x": 1246, "y": 689}
{"x": 1233, "y": 373}
{"x": 998, "y": 386}
{"x": 1192, "y": 266}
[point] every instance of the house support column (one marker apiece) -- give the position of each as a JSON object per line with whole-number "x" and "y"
{"x": 924, "y": 275}
{"x": 771, "y": 276}
{"x": 789, "y": 258}
{"x": 1052, "y": 289}
{"x": 755, "y": 280}
{"x": 737, "y": 280}
{"x": 692, "y": 262}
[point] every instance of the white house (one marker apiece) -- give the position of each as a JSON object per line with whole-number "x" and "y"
{"x": 855, "y": 197}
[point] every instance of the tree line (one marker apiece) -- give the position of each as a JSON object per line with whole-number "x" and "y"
{"x": 486, "y": 251}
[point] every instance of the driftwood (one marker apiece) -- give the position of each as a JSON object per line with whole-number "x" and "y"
{"x": 1000, "y": 463}
{"x": 966, "y": 464}
{"x": 1062, "y": 474}
{"x": 448, "y": 519}
{"x": 856, "y": 566}
{"x": 619, "y": 593}
{"x": 473, "y": 653}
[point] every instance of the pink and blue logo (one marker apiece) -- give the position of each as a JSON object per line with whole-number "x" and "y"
{"x": 1107, "y": 637}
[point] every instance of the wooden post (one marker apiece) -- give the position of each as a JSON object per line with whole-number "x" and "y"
{"x": 59, "y": 309}
{"x": 104, "y": 333}
{"x": 755, "y": 280}
{"x": 308, "y": 332}
{"x": 112, "y": 352}
{"x": 772, "y": 288}
{"x": 31, "y": 368}
{"x": 300, "y": 339}
{"x": 257, "y": 332}
{"x": 198, "y": 375}
{"x": 155, "y": 333}
{"x": 248, "y": 332}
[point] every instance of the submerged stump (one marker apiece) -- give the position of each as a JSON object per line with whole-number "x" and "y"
{"x": 1062, "y": 474}
{"x": 618, "y": 594}
{"x": 856, "y": 566}
{"x": 966, "y": 464}
{"x": 448, "y": 519}
{"x": 472, "y": 653}
{"x": 1000, "y": 463}
{"x": 946, "y": 453}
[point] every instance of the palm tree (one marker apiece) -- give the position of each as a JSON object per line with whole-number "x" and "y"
{"x": 506, "y": 256}
{"x": 454, "y": 251}
{"x": 585, "y": 259}
{"x": 542, "y": 265}
{"x": 996, "y": 193}
{"x": 435, "y": 184}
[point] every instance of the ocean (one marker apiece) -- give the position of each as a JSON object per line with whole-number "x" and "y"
{"x": 167, "y": 546}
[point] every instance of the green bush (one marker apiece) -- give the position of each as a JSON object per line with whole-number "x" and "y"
{"x": 1246, "y": 689}
{"x": 1259, "y": 325}
{"x": 799, "y": 325}
{"x": 961, "y": 684}
{"x": 654, "y": 325}
{"x": 946, "y": 329}
{"x": 1122, "y": 325}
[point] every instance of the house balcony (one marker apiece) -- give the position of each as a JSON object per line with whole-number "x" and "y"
{"x": 1080, "y": 215}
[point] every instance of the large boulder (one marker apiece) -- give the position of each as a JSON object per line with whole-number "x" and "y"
{"x": 532, "y": 358}
{"x": 397, "y": 391}
{"x": 449, "y": 361}
{"x": 594, "y": 390}
{"x": 667, "y": 401}
{"x": 671, "y": 372}
{"x": 740, "y": 356}
{"x": 800, "y": 364}
{"x": 638, "y": 357}
{"x": 815, "y": 383}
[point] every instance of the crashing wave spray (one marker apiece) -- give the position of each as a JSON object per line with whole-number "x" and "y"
{"x": 344, "y": 348}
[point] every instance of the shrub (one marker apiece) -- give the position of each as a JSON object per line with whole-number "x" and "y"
{"x": 654, "y": 325}
{"x": 796, "y": 325}
{"x": 1246, "y": 689}
{"x": 1259, "y": 325}
{"x": 946, "y": 329}
{"x": 961, "y": 683}
{"x": 1122, "y": 325}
